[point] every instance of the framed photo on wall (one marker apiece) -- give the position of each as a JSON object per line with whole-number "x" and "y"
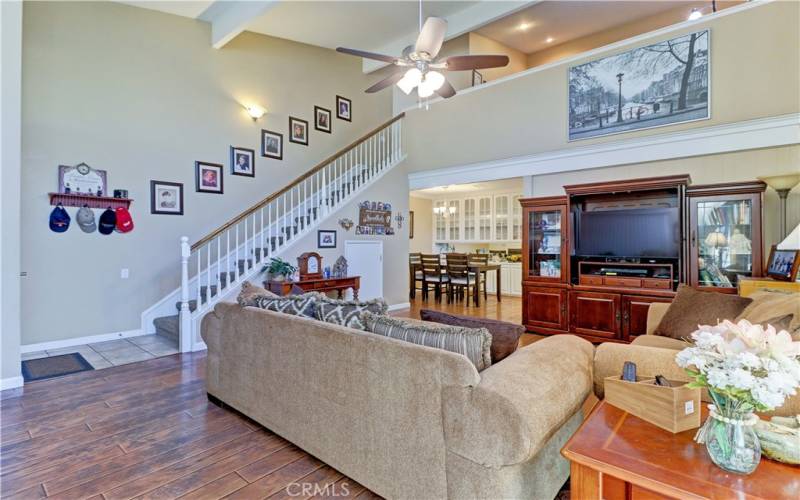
{"x": 272, "y": 144}
{"x": 298, "y": 131}
{"x": 322, "y": 119}
{"x": 783, "y": 264}
{"x": 326, "y": 239}
{"x": 411, "y": 225}
{"x": 344, "y": 108}
{"x": 166, "y": 198}
{"x": 243, "y": 162}
{"x": 208, "y": 177}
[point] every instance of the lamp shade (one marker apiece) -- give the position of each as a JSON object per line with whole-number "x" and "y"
{"x": 716, "y": 239}
{"x": 791, "y": 242}
{"x": 780, "y": 182}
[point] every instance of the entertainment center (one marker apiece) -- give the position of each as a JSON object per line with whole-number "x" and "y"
{"x": 596, "y": 258}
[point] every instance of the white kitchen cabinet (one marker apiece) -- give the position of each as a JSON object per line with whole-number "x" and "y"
{"x": 516, "y": 218}
{"x": 454, "y": 220}
{"x": 439, "y": 221}
{"x": 470, "y": 219}
{"x": 485, "y": 218}
{"x": 481, "y": 219}
{"x": 510, "y": 279}
{"x": 501, "y": 217}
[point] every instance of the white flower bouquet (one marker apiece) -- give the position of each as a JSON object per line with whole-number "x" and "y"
{"x": 745, "y": 368}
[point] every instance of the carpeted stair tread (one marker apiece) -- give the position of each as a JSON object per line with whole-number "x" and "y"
{"x": 168, "y": 327}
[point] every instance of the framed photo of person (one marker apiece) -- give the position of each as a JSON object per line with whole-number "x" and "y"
{"x": 322, "y": 119}
{"x": 271, "y": 144}
{"x": 208, "y": 177}
{"x": 243, "y": 162}
{"x": 344, "y": 108}
{"x": 326, "y": 239}
{"x": 298, "y": 131}
{"x": 783, "y": 264}
{"x": 166, "y": 198}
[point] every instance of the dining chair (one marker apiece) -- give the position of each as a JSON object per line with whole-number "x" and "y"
{"x": 482, "y": 259}
{"x": 460, "y": 279}
{"x": 433, "y": 272}
{"x": 414, "y": 273}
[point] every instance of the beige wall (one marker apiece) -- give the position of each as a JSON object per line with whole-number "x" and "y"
{"x": 755, "y": 61}
{"x": 143, "y": 95}
{"x": 729, "y": 167}
{"x": 615, "y": 34}
{"x": 423, "y": 225}
{"x": 517, "y": 61}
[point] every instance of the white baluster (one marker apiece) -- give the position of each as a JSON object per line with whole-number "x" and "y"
{"x": 263, "y": 252}
{"x": 219, "y": 266}
{"x": 197, "y": 278}
{"x": 236, "y": 251}
{"x": 208, "y": 273}
{"x": 269, "y": 227}
{"x": 228, "y": 256}
{"x": 246, "y": 253}
{"x": 185, "y": 314}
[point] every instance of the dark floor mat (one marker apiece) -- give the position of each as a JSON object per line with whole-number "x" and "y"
{"x": 54, "y": 366}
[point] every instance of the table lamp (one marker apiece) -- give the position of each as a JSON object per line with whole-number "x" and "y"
{"x": 791, "y": 242}
{"x": 717, "y": 241}
{"x": 782, "y": 184}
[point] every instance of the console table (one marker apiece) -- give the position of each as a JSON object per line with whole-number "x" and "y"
{"x": 616, "y": 456}
{"x": 339, "y": 285}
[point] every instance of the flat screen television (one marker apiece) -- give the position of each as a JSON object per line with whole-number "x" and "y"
{"x": 635, "y": 232}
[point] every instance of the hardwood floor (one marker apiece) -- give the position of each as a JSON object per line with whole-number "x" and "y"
{"x": 147, "y": 430}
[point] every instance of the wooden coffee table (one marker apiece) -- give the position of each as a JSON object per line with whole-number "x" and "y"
{"x": 615, "y": 455}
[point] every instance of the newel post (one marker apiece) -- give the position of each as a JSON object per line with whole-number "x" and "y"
{"x": 186, "y": 341}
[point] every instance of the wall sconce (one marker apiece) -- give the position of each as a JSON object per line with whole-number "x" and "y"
{"x": 255, "y": 111}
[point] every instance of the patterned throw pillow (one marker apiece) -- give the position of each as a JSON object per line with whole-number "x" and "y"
{"x": 249, "y": 292}
{"x": 348, "y": 312}
{"x": 474, "y": 343}
{"x": 298, "y": 305}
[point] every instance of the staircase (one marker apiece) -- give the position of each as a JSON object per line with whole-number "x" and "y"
{"x": 213, "y": 268}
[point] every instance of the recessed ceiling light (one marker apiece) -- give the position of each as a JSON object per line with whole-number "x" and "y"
{"x": 524, "y": 26}
{"x": 695, "y": 14}
{"x": 549, "y": 39}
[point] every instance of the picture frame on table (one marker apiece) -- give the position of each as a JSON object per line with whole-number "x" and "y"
{"x": 271, "y": 144}
{"x": 322, "y": 119}
{"x": 344, "y": 108}
{"x": 208, "y": 177}
{"x": 166, "y": 198}
{"x": 298, "y": 131}
{"x": 243, "y": 162}
{"x": 783, "y": 264}
{"x": 326, "y": 238}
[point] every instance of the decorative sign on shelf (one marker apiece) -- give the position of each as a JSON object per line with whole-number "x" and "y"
{"x": 375, "y": 217}
{"x": 82, "y": 179}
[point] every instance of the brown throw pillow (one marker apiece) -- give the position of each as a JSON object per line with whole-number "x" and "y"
{"x": 249, "y": 293}
{"x": 691, "y": 308}
{"x": 505, "y": 336}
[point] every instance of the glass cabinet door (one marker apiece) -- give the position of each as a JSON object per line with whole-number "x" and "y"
{"x": 469, "y": 219}
{"x": 501, "y": 218}
{"x": 722, "y": 241}
{"x": 485, "y": 218}
{"x": 454, "y": 219}
{"x": 545, "y": 242}
{"x": 516, "y": 220}
{"x": 439, "y": 223}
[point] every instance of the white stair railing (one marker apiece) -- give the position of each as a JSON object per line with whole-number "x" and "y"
{"x": 238, "y": 249}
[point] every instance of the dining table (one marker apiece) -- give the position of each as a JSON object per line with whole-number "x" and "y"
{"x": 479, "y": 270}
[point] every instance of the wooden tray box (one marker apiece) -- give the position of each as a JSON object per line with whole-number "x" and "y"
{"x": 675, "y": 409}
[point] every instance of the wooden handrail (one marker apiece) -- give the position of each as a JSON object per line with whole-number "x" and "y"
{"x": 289, "y": 186}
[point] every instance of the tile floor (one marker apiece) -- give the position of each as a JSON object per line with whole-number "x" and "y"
{"x": 115, "y": 352}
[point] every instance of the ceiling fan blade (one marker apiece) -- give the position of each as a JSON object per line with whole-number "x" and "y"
{"x": 431, "y": 37}
{"x": 366, "y": 55}
{"x": 386, "y": 82}
{"x": 446, "y": 90}
{"x": 461, "y": 63}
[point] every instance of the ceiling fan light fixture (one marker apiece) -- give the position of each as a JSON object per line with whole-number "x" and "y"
{"x": 411, "y": 79}
{"x": 432, "y": 82}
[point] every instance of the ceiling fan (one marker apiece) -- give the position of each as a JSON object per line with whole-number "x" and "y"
{"x": 418, "y": 67}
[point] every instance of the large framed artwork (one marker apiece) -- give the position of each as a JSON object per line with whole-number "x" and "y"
{"x": 661, "y": 84}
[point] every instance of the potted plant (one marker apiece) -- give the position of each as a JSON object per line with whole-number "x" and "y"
{"x": 746, "y": 368}
{"x": 279, "y": 270}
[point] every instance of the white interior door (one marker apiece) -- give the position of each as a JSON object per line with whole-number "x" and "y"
{"x": 365, "y": 259}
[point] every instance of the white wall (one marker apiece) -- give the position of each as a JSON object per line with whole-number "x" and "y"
{"x": 143, "y": 95}
{"x": 423, "y": 225}
{"x": 10, "y": 89}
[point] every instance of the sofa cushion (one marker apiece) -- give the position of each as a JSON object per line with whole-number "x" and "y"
{"x": 250, "y": 292}
{"x": 777, "y": 308}
{"x": 474, "y": 343}
{"x": 298, "y": 305}
{"x": 505, "y": 335}
{"x": 659, "y": 341}
{"x": 347, "y": 312}
{"x": 691, "y": 308}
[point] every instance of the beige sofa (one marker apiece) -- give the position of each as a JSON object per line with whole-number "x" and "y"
{"x": 404, "y": 420}
{"x": 653, "y": 355}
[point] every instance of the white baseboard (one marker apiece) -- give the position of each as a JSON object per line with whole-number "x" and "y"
{"x": 400, "y": 305}
{"x": 199, "y": 346}
{"x": 91, "y": 339}
{"x": 11, "y": 383}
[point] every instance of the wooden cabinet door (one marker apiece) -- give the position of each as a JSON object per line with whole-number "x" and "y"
{"x": 634, "y": 315}
{"x": 545, "y": 308}
{"x": 595, "y": 314}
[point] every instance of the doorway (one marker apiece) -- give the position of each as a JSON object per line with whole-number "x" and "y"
{"x": 365, "y": 259}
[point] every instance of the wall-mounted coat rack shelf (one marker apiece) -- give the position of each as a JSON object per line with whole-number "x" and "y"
{"x": 79, "y": 200}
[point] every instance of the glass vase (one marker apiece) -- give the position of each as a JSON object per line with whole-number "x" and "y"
{"x": 730, "y": 435}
